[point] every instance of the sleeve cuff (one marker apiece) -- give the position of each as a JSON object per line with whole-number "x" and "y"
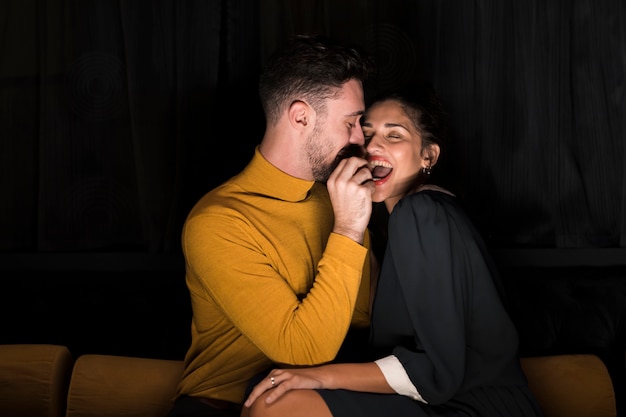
{"x": 397, "y": 378}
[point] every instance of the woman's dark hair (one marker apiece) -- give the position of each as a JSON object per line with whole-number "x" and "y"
{"x": 310, "y": 68}
{"x": 420, "y": 101}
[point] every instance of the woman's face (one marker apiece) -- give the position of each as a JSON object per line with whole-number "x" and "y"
{"x": 394, "y": 151}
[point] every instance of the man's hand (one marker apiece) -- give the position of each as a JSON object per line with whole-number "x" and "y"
{"x": 350, "y": 187}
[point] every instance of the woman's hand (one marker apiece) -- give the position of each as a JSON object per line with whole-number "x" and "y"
{"x": 364, "y": 377}
{"x": 282, "y": 380}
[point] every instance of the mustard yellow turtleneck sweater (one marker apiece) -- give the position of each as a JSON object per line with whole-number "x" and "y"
{"x": 269, "y": 281}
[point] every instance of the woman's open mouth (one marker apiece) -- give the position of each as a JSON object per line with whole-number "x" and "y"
{"x": 380, "y": 170}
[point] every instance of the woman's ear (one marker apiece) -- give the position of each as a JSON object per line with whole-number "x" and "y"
{"x": 430, "y": 155}
{"x": 299, "y": 114}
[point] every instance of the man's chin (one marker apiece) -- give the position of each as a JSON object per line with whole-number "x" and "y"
{"x": 347, "y": 152}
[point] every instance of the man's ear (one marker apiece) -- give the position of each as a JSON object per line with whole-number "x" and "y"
{"x": 300, "y": 114}
{"x": 431, "y": 155}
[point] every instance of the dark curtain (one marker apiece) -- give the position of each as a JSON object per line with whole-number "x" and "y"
{"x": 116, "y": 116}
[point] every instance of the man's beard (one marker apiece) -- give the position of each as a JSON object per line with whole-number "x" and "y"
{"x": 318, "y": 151}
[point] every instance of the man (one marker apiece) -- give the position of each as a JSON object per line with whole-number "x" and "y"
{"x": 276, "y": 258}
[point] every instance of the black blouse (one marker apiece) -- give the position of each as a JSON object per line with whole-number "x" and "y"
{"x": 439, "y": 309}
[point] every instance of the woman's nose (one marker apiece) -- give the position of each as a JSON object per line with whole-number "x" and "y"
{"x": 372, "y": 145}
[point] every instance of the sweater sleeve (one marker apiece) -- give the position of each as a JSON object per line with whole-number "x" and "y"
{"x": 288, "y": 322}
{"x": 361, "y": 316}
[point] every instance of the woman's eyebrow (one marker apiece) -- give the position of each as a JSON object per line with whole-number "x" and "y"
{"x": 396, "y": 125}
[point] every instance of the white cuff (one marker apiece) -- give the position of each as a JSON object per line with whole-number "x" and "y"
{"x": 397, "y": 378}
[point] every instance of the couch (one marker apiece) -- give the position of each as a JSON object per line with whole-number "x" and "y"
{"x": 40, "y": 380}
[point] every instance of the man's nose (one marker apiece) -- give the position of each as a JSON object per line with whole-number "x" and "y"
{"x": 357, "y": 136}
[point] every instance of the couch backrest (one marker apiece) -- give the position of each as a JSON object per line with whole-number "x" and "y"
{"x": 35, "y": 382}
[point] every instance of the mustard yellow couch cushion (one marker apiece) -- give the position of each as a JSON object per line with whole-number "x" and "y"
{"x": 121, "y": 386}
{"x": 577, "y": 385}
{"x": 34, "y": 380}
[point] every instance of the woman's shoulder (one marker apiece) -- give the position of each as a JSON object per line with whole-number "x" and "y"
{"x": 428, "y": 193}
{"x": 432, "y": 187}
{"x": 428, "y": 199}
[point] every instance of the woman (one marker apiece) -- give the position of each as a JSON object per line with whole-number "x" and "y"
{"x": 447, "y": 344}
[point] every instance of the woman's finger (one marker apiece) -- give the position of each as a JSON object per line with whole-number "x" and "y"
{"x": 266, "y": 384}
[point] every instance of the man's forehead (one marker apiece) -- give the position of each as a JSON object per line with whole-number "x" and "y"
{"x": 350, "y": 103}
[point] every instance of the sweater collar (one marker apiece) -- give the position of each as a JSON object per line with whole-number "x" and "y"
{"x": 266, "y": 179}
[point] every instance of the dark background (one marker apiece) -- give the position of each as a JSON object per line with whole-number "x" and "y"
{"x": 116, "y": 116}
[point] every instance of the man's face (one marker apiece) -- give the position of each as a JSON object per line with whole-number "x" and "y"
{"x": 338, "y": 134}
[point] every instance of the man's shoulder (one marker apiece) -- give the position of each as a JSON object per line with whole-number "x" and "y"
{"x": 227, "y": 195}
